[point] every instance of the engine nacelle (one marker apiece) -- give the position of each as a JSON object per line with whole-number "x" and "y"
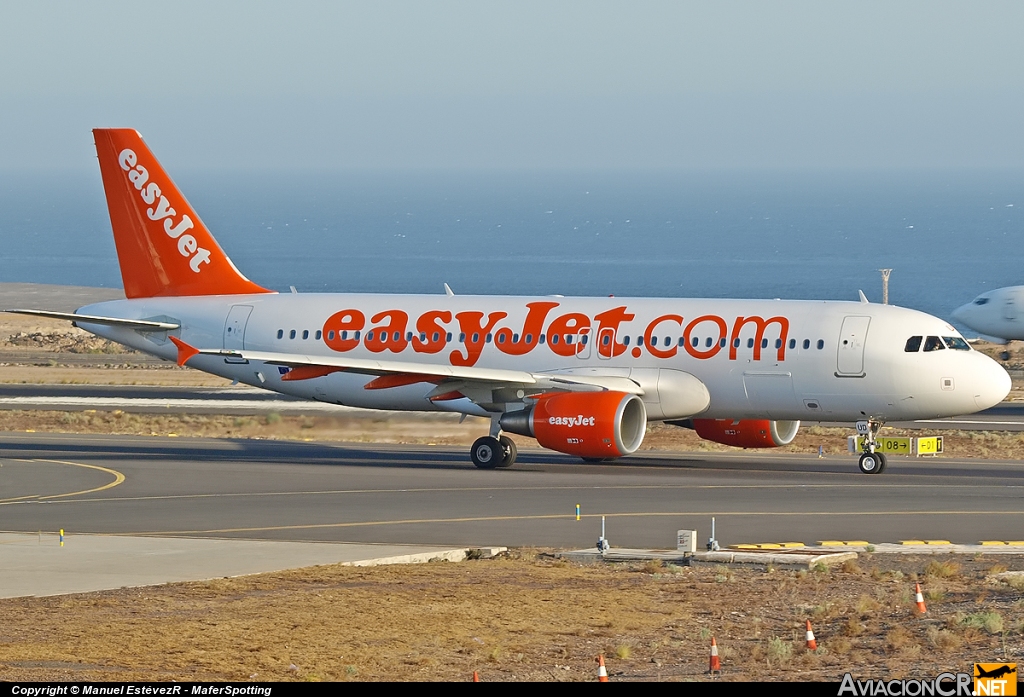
{"x": 586, "y": 424}
{"x": 748, "y": 433}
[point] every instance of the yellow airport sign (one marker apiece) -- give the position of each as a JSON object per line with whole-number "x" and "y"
{"x": 929, "y": 446}
{"x": 896, "y": 445}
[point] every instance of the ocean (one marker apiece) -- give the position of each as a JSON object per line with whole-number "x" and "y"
{"x": 947, "y": 235}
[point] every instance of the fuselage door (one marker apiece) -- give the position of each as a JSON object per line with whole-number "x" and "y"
{"x": 850, "y": 361}
{"x": 1010, "y": 307}
{"x": 606, "y": 343}
{"x": 234, "y": 327}
{"x": 583, "y": 343}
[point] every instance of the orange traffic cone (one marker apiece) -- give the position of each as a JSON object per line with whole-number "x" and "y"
{"x": 812, "y": 645}
{"x": 602, "y": 672}
{"x": 476, "y": 676}
{"x": 919, "y": 599}
{"x": 716, "y": 664}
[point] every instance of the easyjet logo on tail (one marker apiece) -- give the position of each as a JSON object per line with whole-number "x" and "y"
{"x": 160, "y": 209}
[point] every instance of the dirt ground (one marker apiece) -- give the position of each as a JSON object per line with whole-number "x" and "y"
{"x": 527, "y": 616}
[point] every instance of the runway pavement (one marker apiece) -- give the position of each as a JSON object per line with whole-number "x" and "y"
{"x": 244, "y": 400}
{"x": 432, "y": 495}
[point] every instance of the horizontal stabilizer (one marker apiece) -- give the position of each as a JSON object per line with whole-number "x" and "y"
{"x": 141, "y": 325}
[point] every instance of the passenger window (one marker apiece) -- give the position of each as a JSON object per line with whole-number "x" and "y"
{"x": 487, "y": 339}
{"x": 515, "y": 338}
{"x": 433, "y": 337}
{"x": 696, "y": 342}
{"x": 750, "y": 343}
{"x": 397, "y": 336}
{"x": 476, "y": 337}
{"x": 583, "y": 339}
{"x": 778, "y": 343}
{"x": 981, "y": 301}
{"x": 408, "y": 336}
{"x": 639, "y": 341}
{"x": 305, "y": 334}
{"x": 792, "y": 344}
{"x": 280, "y": 333}
{"x": 529, "y": 338}
{"x": 807, "y": 343}
{"x": 448, "y": 338}
{"x": 764, "y": 343}
{"x": 356, "y": 335}
{"x": 682, "y": 341}
{"x": 554, "y": 338}
{"x": 722, "y": 342}
{"x": 291, "y": 334}
{"x": 625, "y": 340}
{"x": 462, "y": 337}
{"x": 542, "y": 338}
{"x": 913, "y": 344}
{"x": 369, "y": 335}
{"x": 330, "y": 335}
{"x": 956, "y": 343}
{"x": 736, "y": 343}
{"x": 318, "y": 335}
{"x": 605, "y": 340}
{"x": 501, "y": 338}
{"x": 821, "y": 344}
{"x": 568, "y": 338}
{"x": 668, "y": 341}
{"x": 933, "y": 343}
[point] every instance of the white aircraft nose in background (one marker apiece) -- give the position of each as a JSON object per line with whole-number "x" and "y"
{"x": 998, "y": 314}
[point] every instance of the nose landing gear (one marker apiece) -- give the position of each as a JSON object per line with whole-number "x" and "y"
{"x": 870, "y": 462}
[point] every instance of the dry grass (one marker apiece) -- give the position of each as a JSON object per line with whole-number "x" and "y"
{"x": 522, "y": 617}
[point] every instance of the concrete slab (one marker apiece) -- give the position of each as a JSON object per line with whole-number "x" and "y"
{"x": 36, "y": 565}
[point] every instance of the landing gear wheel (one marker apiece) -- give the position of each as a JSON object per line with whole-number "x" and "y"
{"x": 487, "y": 453}
{"x": 508, "y": 446}
{"x": 871, "y": 463}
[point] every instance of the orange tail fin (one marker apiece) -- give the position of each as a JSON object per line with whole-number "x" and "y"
{"x": 163, "y": 247}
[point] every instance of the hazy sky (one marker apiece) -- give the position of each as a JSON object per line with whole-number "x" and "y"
{"x": 517, "y": 84}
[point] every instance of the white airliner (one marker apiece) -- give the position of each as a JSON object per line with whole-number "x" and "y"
{"x": 997, "y": 315}
{"x": 583, "y": 376}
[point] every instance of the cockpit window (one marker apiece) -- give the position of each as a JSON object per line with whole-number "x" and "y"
{"x": 913, "y": 344}
{"x": 933, "y": 343}
{"x": 956, "y": 343}
{"x": 981, "y": 301}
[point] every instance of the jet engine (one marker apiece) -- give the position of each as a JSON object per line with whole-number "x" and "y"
{"x": 747, "y": 433}
{"x": 591, "y": 425}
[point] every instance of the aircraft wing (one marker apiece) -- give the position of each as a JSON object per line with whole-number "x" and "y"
{"x": 397, "y": 373}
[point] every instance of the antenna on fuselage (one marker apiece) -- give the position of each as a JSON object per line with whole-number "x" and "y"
{"x": 447, "y": 290}
{"x": 863, "y": 298}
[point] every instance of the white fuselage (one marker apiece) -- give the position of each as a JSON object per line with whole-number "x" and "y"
{"x": 997, "y": 314}
{"x": 774, "y": 359}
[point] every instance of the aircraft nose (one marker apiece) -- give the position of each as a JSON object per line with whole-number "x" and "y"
{"x": 991, "y": 383}
{"x": 961, "y": 313}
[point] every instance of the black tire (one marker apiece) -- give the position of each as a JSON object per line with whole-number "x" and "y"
{"x": 871, "y": 463}
{"x": 511, "y": 451}
{"x": 882, "y": 462}
{"x": 487, "y": 453}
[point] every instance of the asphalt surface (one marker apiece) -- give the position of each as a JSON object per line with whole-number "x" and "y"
{"x": 279, "y": 490}
{"x": 241, "y": 400}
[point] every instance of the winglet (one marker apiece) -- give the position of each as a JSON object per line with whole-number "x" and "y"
{"x": 863, "y": 298}
{"x": 185, "y": 351}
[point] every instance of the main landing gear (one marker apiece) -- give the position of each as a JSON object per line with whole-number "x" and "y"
{"x": 492, "y": 452}
{"x": 870, "y": 462}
